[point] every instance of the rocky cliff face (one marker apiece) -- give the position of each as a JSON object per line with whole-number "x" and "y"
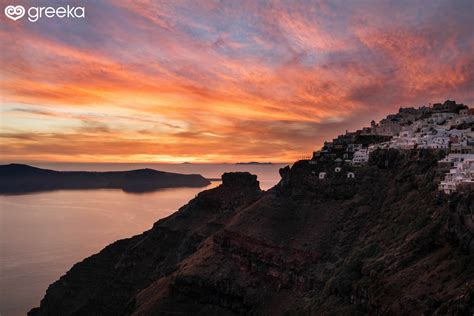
{"x": 384, "y": 242}
{"x": 461, "y": 220}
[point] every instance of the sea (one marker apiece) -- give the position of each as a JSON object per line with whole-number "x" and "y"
{"x": 42, "y": 235}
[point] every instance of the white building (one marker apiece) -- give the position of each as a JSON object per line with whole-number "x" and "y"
{"x": 461, "y": 174}
{"x": 361, "y": 156}
{"x": 461, "y": 120}
{"x": 455, "y": 158}
{"x": 438, "y": 142}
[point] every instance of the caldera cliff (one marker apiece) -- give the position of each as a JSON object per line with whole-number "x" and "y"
{"x": 383, "y": 242}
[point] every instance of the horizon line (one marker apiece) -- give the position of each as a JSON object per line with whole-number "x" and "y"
{"x": 141, "y": 163}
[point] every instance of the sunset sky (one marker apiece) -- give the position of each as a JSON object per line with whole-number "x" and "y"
{"x": 222, "y": 81}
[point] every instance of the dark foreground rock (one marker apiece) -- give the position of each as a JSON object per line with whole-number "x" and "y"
{"x": 17, "y": 178}
{"x": 384, "y": 242}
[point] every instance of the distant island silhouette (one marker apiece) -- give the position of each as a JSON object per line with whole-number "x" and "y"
{"x": 254, "y": 163}
{"x": 20, "y": 178}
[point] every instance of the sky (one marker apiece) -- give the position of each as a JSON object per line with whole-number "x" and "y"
{"x": 222, "y": 81}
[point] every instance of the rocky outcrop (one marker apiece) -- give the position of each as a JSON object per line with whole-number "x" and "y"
{"x": 384, "y": 242}
{"x": 127, "y": 266}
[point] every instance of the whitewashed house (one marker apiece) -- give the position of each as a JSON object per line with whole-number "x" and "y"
{"x": 461, "y": 120}
{"x": 461, "y": 174}
{"x": 360, "y": 157}
{"x": 441, "y": 142}
{"x": 407, "y": 131}
{"x": 455, "y": 158}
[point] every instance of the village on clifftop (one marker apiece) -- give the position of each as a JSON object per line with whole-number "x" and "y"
{"x": 444, "y": 126}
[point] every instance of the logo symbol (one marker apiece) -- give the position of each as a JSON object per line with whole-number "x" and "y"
{"x": 15, "y": 12}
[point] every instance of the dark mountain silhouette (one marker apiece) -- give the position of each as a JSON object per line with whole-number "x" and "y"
{"x": 19, "y": 178}
{"x": 384, "y": 242}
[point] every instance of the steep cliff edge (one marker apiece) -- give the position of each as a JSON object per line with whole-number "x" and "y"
{"x": 383, "y": 242}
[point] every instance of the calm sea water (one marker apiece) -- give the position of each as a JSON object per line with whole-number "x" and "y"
{"x": 43, "y": 234}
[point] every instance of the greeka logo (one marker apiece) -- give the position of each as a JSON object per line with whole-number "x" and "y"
{"x": 35, "y": 13}
{"x": 15, "y": 12}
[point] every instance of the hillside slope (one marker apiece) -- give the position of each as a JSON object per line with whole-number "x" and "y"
{"x": 384, "y": 242}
